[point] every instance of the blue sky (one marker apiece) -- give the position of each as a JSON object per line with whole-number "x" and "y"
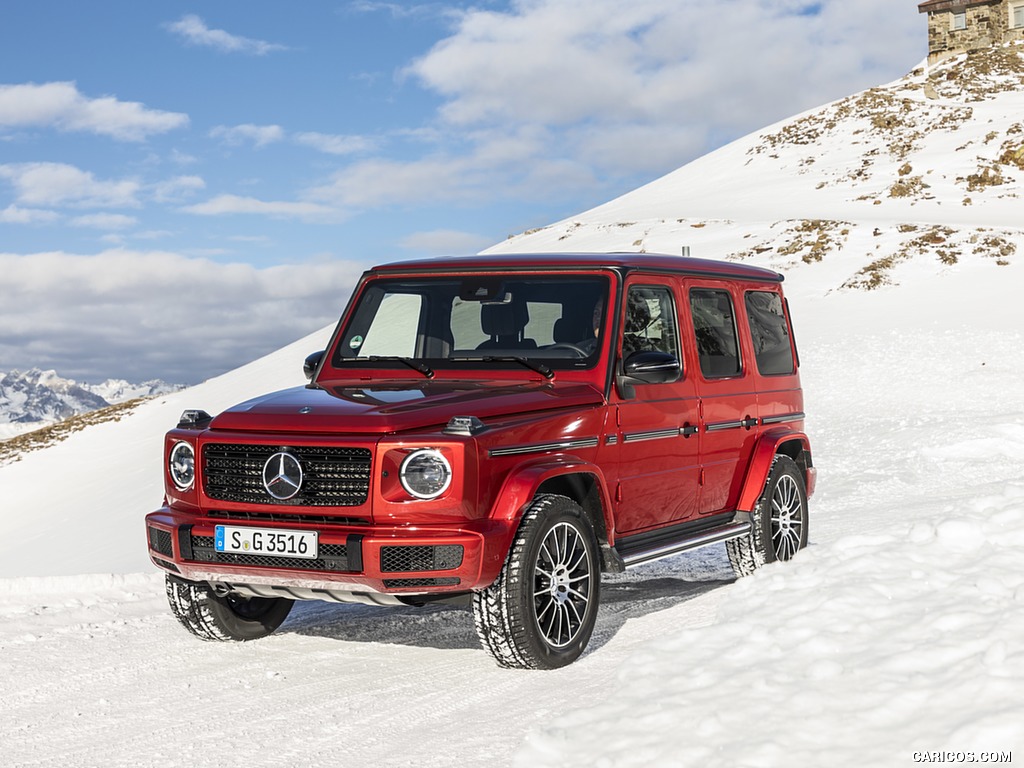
{"x": 187, "y": 186}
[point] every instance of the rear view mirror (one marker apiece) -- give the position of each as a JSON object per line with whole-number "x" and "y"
{"x": 652, "y": 367}
{"x": 312, "y": 363}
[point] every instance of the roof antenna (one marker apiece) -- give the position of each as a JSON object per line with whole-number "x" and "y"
{"x": 686, "y": 251}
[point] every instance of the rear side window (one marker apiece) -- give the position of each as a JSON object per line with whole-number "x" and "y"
{"x": 770, "y": 333}
{"x": 714, "y": 325}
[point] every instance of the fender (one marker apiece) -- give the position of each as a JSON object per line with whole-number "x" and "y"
{"x": 522, "y": 484}
{"x": 768, "y": 446}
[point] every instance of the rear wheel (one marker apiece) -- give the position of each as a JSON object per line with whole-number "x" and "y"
{"x": 541, "y": 610}
{"x": 229, "y": 617}
{"x": 780, "y": 520}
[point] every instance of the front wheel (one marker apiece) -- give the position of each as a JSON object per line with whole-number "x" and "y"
{"x": 541, "y": 610}
{"x": 779, "y": 527}
{"x": 225, "y": 618}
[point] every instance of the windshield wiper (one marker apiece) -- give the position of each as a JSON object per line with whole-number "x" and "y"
{"x": 425, "y": 370}
{"x": 540, "y": 368}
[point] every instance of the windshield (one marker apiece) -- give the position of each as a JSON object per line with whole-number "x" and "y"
{"x": 456, "y": 322}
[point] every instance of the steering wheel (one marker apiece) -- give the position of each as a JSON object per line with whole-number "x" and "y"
{"x": 572, "y": 347}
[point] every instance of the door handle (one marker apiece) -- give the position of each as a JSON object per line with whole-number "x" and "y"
{"x": 749, "y": 422}
{"x": 687, "y": 430}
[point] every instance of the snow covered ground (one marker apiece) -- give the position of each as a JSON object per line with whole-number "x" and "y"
{"x": 897, "y": 631}
{"x": 896, "y": 634}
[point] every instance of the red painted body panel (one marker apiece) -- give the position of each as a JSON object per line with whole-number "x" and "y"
{"x": 764, "y": 454}
{"x": 644, "y": 456}
{"x": 485, "y": 543}
{"x": 388, "y": 406}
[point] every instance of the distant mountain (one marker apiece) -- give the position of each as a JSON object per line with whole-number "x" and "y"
{"x": 33, "y": 399}
{"x": 116, "y": 391}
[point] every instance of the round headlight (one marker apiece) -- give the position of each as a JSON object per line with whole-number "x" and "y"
{"x": 182, "y": 465}
{"x": 425, "y": 473}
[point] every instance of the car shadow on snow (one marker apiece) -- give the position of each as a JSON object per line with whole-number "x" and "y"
{"x": 640, "y": 592}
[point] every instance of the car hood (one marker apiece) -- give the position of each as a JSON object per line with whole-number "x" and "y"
{"x": 398, "y": 407}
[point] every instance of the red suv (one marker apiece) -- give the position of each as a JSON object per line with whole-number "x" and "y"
{"x": 498, "y": 430}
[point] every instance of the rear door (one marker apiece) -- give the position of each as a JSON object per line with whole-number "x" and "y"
{"x": 779, "y": 397}
{"x": 727, "y": 390}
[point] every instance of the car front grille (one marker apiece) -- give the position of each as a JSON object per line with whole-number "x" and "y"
{"x": 419, "y": 583}
{"x": 160, "y": 541}
{"x": 248, "y": 516}
{"x": 420, "y": 558}
{"x": 332, "y": 557}
{"x": 332, "y": 477}
{"x": 165, "y": 564}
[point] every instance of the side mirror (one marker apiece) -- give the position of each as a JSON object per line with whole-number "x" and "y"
{"x": 651, "y": 367}
{"x": 312, "y": 363}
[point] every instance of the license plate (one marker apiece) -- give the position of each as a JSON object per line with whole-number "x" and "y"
{"x": 271, "y": 542}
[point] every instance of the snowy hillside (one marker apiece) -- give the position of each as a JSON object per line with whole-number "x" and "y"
{"x": 928, "y": 170}
{"x": 96, "y": 485}
{"x": 34, "y": 398}
{"x": 896, "y": 632}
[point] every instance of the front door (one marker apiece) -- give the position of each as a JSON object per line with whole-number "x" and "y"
{"x": 655, "y": 423}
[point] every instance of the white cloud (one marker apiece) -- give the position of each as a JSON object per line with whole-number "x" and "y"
{"x": 545, "y": 96}
{"x": 403, "y": 10}
{"x": 496, "y": 165}
{"x": 379, "y": 182}
{"x": 194, "y": 31}
{"x": 183, "y": 158}
{"x": 336, "y": 145}
{"x": 152, "y": 234}
{"x": 146, "y": 314}
{"x": 259, "y": 135}
{"x": 223, "y": 205}
{"x": 12, "y": 214}
{"x": 446, "y": 242}
{"x": 106, "y": 221}
{"x": 60, "y": 105}
{"x": 58, "y": 184}
{"x": 177, "y": 188}
{"x": 263, "y": 135}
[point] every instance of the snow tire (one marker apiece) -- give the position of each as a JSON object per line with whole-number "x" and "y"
{"x": 780, "y": 521}
{"x": 226, "y": 618}
{"x": 541, "y": 610}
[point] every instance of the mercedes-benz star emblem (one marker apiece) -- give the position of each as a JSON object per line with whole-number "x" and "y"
{"x": 282, "y": 476}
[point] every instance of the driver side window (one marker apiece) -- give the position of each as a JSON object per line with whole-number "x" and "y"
{"x": 650, "y": 321}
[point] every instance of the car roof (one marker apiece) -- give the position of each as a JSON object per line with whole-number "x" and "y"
{"x": 645, "y": 262}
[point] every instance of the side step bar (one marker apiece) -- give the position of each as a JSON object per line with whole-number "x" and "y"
{"x": 656, "y": 549}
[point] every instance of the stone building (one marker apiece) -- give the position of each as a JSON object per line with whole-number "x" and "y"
{"x": 957, "y": 26}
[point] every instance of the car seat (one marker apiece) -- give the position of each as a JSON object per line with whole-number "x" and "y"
{"x": 505, "y": 324}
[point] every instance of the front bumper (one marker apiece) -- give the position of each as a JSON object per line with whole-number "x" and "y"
{"x": 356, "y": 563}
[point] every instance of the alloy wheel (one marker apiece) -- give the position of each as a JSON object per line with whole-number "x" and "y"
{"x": 562, "y": 576}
